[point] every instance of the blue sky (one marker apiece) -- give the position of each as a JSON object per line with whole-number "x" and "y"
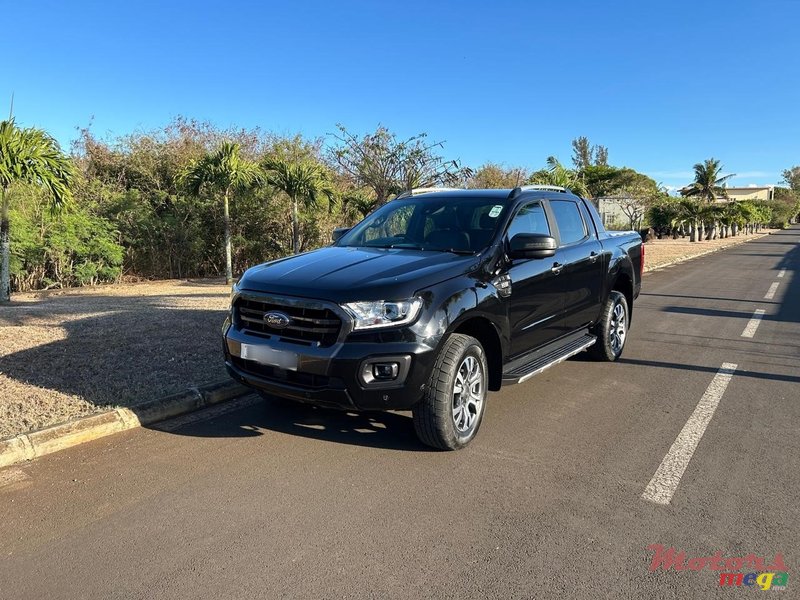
{"x": 662, "y": 85}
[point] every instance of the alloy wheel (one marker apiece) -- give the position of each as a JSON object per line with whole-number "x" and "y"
{"x": 468, "y": 394}
{"x": 618, "y": 329}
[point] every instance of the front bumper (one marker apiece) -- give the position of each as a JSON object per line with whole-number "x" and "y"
{"x": 330, "y": 376}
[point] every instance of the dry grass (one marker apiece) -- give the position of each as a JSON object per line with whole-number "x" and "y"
{"x": 72, "y": 353}
{"x": 662, "y": 252}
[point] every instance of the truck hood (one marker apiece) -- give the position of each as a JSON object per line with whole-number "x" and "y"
{"x": 347, "y": 274}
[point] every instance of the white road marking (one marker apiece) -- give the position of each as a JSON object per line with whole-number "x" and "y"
{"x": 668, "y": 475}
{"x": 752, "y": 324}
{"x": 771, "y": 291}
{"x": 781, "y": 273}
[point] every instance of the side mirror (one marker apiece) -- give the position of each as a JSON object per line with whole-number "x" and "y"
{"x": 339, "y": 232}
{"x": 532, "y": 245}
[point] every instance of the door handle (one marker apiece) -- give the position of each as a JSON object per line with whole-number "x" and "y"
{"x": 557, "y": 267}
{"x": 593, "y": 256}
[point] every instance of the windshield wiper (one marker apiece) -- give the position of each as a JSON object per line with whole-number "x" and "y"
{"x": 406, "y": 246}
{"x": 453, "y": 250}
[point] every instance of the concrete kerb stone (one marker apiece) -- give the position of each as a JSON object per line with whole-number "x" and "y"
{"x": 34, "y": 444}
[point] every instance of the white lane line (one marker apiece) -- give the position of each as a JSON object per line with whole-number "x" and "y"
{"x": 752, "y": 324}
{"x": 781, "y": 273}
{"x": 668, "y": 475}
{"x": 771, "y": 291}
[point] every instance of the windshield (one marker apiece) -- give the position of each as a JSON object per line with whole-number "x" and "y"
{"x": 446, "y": 224}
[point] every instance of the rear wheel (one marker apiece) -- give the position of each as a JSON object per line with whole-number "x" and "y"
{"x": 451, "y": 411}
{"x": 612, "y": 329}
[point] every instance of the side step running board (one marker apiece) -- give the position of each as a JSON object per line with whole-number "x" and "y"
{"x": 545, "y": 361}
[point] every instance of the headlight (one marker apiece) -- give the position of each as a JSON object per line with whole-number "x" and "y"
{"x": 381, "y": 313}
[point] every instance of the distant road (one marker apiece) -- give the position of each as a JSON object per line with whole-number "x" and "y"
{"x": 691, "y": 441}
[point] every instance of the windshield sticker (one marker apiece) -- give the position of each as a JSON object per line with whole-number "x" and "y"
{"x": 496, "y": 210}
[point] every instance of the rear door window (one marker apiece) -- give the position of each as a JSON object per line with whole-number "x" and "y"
{"x": 571, "y": 225}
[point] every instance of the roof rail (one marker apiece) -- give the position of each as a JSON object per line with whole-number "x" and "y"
{"x": 539, "y": 186}
{"x": 425, "y": 190}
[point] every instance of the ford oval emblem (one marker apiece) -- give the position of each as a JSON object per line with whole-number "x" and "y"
{"x": 277, "y": 320}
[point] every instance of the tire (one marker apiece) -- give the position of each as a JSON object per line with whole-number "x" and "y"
{"x": 612, "y": 329}
{"x": 446, "y": 418}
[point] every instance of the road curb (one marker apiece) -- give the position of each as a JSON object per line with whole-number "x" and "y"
{"x": 684, "y": 259}
{"x": 34, "y": 444}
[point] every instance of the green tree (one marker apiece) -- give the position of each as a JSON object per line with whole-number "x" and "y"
{"x": 690, "y": 214}
{"x": 355, "y": 205}
{"x": 59, "y": 250}
{"x": 712, "y": 217}
{"x": 585, "y": 155}
{"x": 707, "y": 184}
{"x": 558, "y": 174}
{"x": 602, "y": 180}
{"x": 601, "y": 156}
{"x": 663, "y": 214}
{"x": 303, "y": 181}
{"x": 792, "y": 178}
{"x": 223, "y": 171}
{"x": 28, "y": 156}
{"x": 581, "y": 153}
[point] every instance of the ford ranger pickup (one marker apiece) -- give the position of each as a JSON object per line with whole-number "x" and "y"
{"x": 433, "y": 300}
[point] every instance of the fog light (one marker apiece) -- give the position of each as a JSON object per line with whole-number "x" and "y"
{"x": 385, "y": 371}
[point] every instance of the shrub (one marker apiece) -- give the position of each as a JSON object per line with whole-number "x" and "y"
{"x": 68, "y": 249}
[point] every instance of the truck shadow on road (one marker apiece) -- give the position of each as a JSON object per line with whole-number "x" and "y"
{"x": 385, "y": 430}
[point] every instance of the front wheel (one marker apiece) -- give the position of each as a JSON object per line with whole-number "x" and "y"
{"x": 612, "y": 328}
{"x": 451, "y": 411}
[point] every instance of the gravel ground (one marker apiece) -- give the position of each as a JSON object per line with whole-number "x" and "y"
{"x": 72, "y": 353}
{"x": 661, "y": 252}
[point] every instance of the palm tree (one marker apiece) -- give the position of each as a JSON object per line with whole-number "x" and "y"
{"x": 356, "y": 205}
{"x": 732, "y": 219}
{"x": 690, "y": 214}
{"x": 708, "y": 182}
{"x": 223, "y": 171}
{"x": 303, "y": 180}
{"x": 743, "y": 214}
{"x": 28, "y": 156}
{"x": 558, "y": 174}
{"x": 763, "y": 216}
{"x": 712, "y": 215}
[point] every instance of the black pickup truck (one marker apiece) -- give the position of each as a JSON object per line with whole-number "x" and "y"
{"x": 432, "y": 300}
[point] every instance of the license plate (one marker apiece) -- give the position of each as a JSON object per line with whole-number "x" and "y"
{"x": 270, "y": 356}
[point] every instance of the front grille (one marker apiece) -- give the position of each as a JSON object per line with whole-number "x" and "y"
{"x": 309, "y": 326}
{"x": 310, "y": 381}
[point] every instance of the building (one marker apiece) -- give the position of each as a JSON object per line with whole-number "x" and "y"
{"x": 753, "y": 193}
{"x": 616, "y": 211}
{"x": 762, "y": 193}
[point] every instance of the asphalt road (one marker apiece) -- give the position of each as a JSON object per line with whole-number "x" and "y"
{"x": 256, "y": 501}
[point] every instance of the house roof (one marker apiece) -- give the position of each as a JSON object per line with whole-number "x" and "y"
{"x": 740, "y": 189}
{"x": 749, "y": 189}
